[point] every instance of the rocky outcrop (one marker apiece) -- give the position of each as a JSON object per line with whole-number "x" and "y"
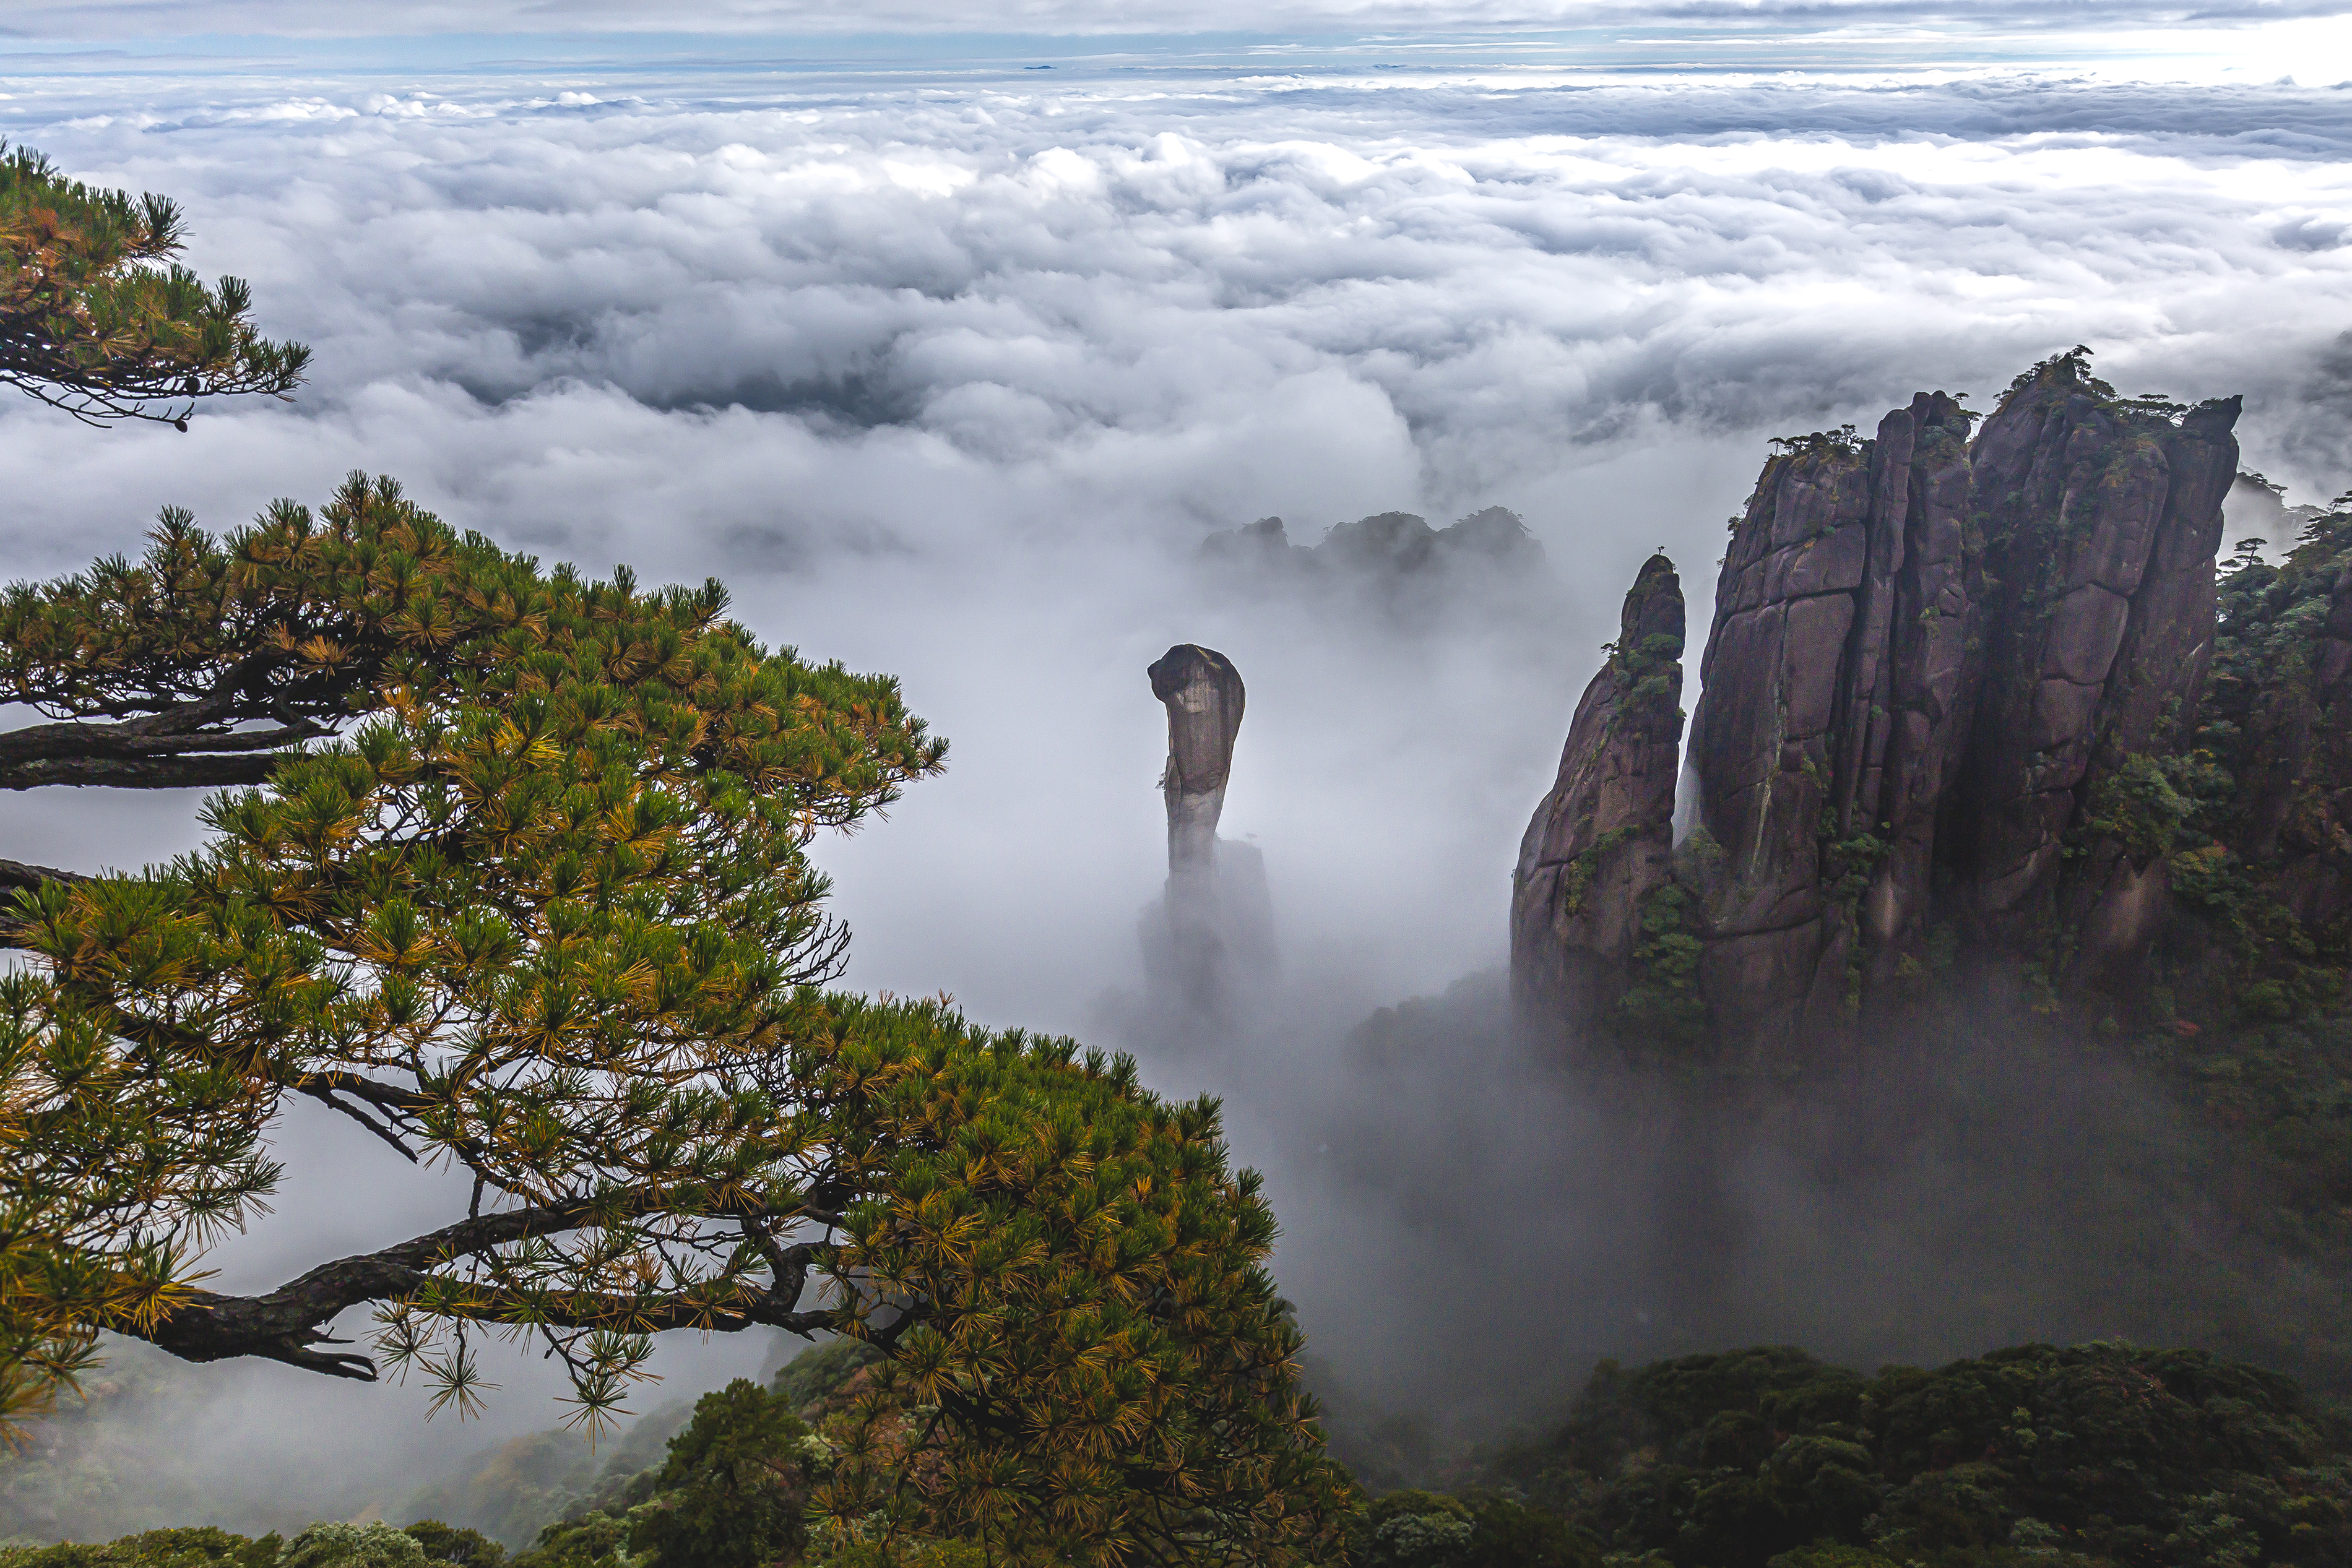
{"x": 1208, "y": 942}
{"x": 1205, "y": 698}
{"x": 2101, "y": 527}
{"x": 1835, "y": 712}
{"x": 1932, "y": 659}
{"x": 1603, "y": 840}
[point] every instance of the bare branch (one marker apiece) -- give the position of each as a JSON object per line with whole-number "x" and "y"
{"x": 326, "y": 1097}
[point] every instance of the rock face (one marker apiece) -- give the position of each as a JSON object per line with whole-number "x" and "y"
{"x": 2101, "y": 531}
{"x": 1932, "y": 660}
{"x": 1208, "y": 944}
{"x": 1603, "y": 840}
{"x": 1205, "y": 698}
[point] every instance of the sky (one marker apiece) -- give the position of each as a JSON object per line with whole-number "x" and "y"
{"x": 2276, "y": 36}
{"x": 945, "y": 335}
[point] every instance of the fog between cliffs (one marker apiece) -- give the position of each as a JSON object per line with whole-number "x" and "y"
{"x": 949, "y": 377}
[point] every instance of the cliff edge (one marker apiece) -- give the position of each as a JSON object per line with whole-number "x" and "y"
{"x": 1973, "y": 700}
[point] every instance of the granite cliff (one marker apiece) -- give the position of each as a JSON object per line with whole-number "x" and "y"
{"x": 1976, "y": 701}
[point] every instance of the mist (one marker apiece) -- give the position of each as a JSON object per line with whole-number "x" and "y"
{"x": 950, "y": 374}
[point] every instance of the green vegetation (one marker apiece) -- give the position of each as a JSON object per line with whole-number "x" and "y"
{"x": 567, "y": 831}
{"x": 1843, "y": 442}
{"x": 734, "y": 1492}
{"x": 203, "y": 1548}
{"x": 96, "y": 319}
{"x": 734, "y": 1488}
{"x": 331, "y": 1544}
{"x": 2098, "y": 1454}
{"x": 814, "y": 1374}
{"x": 341, "y": 1545}
{"x": 2273, "y": 738}
{"x": 2137, "y": 806}
{"x": 1662, "y": 1006}
{"x": 535, "y": 902}
{"x": 463, "y": 1547}
{"x": 2245, "y": 1024}
{"x": 1413, "y": 1529}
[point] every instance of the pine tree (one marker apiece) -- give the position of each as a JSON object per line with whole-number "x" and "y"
{"x": 96, "y": 318}
{"x": 733, "y": 1491}
{"x": 517, "y": 883}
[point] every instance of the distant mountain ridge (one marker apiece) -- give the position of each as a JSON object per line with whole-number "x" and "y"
{"x": 1394, "y": 542}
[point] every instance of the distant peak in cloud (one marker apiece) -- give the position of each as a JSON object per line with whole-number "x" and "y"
{"x": 1399, "y": 542}
{"x": 1393, "y": 558}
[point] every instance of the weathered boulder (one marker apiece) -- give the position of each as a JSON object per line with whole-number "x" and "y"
{"x": 1935, "y": 666}
{"x": 1600, "y": 842}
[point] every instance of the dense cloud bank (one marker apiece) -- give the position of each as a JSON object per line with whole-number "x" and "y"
{"x": 951, "y": 376}
{"x": 1464, "y": 280}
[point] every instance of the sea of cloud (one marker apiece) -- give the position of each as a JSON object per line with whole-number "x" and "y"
{"x": 948, "y": 373}
{"x": 949, "y": 378}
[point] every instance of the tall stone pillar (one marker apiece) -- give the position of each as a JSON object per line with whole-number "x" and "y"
{"x": 1204, "y": 696}
{"x": 1208, "y": 946}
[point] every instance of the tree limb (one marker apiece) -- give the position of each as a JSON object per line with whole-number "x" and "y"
{"x": 286, "y": 1322}
{"x": 326, "y": 1096}
{"x": 140, "y": 737}
{"x": 137, "y": 773}
{"x": 19, "y": 875}
{"x": 388, "y": 1098}
{"x": 177, "y": 746}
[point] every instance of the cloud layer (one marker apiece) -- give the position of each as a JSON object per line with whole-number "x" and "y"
{"x": 948, "y": 373}
{"x": 949, "y": 378}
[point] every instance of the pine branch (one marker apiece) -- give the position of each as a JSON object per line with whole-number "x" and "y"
{"x": 177, "y": 746}
{"x": 15, "y": 875}
{"x": 97, "y": 321}
{"x": 326, "y": 1097}
{"x": 286, "y": 1322}
{"x": 143, "y": 773}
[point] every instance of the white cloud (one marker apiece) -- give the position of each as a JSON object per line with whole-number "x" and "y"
{"x": 927, "y": 339}
{"x": 949, "y": 375}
